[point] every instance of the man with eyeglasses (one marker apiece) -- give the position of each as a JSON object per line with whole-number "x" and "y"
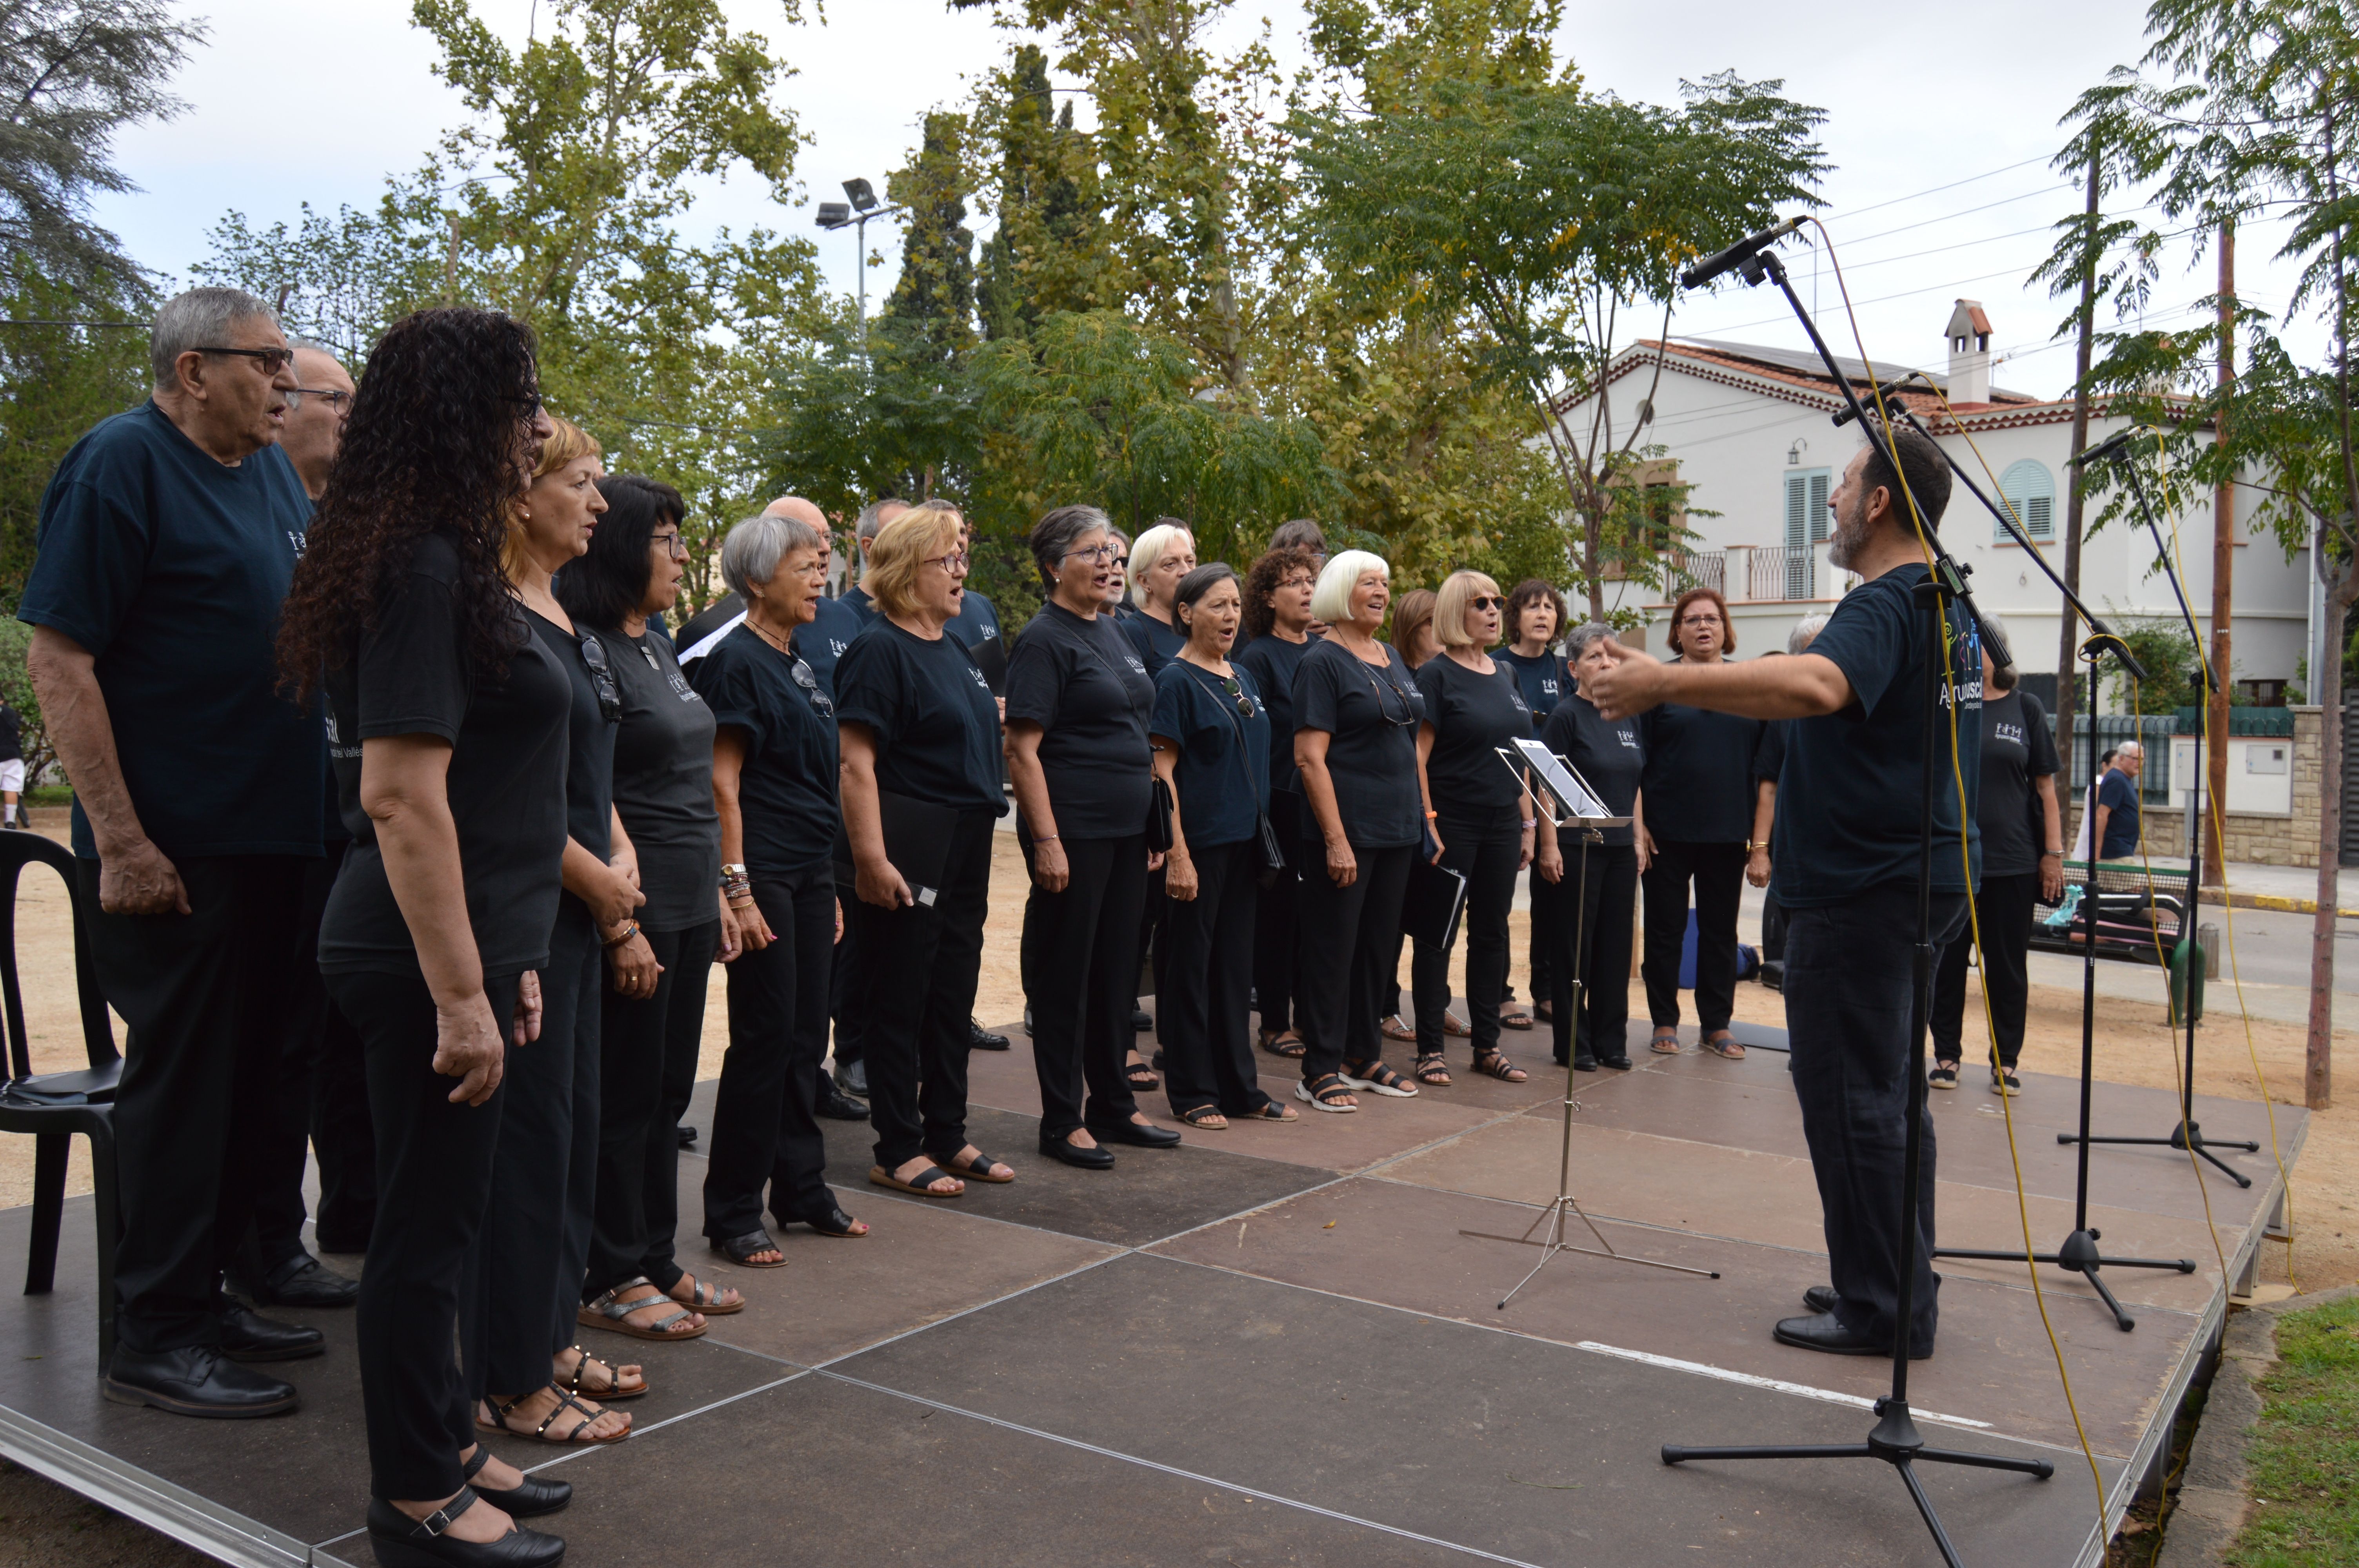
{"x": 168, "y": 538}
{"x": 315, "y": 417}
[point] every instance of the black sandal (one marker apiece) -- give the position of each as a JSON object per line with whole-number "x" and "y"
{"x": 1378, "y": 1078}
{"x": 1283, "y": 1043}
{"x": 1326, "y": 1092}
{"x": 1141, "y": 1077}
{"x": 613, "y": 1390}
{"x": 838, "y": 1224}
{"x": 1210, "y": 1117}
{"x": 573, "y": 1437}
{"x": 740, "y": 1249}
{"x": 1495, "y": 1065}
{"x": 1431, "y": 1070}
{"x": 975, "y": 1170}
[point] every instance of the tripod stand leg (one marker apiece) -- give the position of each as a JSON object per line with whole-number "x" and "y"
{"x": 1925, "y": 1507}
{"x": 2038, "y": 1467}
{"x": 2122, "y": 1320}
{"x": 1673, "y": 1453}
{"x": 2239, "y": 1177}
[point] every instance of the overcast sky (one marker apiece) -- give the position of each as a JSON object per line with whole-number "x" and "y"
{"x": 320, "y": 103}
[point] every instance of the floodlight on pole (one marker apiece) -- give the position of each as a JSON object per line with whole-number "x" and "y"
{"x": 855, "y": 214}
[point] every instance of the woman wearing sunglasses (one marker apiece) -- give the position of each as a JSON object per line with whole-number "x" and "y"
{"x": 1211, "y": 750}
{"x": 1482, "y": 816}
{"x": 1356, "y": 709}
{"x": 536, "y": 1242}
{"x": 774, "y": 787}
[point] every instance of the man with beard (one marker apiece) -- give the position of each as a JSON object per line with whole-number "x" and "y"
{"x": 1845, "y": 868}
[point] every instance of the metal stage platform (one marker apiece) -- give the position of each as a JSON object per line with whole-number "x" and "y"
{"x": 1272, "y": 1346}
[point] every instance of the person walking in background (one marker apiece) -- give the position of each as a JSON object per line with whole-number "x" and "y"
{"x": 1537, "y": 617}
{"x": 2115, "y": 814}
{"x": 1356, "y": 711}
{"x": 1589, "y": 912}
{"x": 1212, "y": 751}
{"x": 1699, "y": 799}
{"x": 2023, "y": 864}
{"x": 1078, "y": 703}
{"x": 1480, "y": 813}
{"x": 1277, "y": 621}
{"x": 1414, "y": 640}
{"x": 168, "y": 538}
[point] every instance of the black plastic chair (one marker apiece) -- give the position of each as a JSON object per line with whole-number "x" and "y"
{"x": 53, "y": 1106}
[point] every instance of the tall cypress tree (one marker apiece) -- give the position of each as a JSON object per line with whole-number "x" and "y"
{"x": 933, "y": 302}
{"x": 1045, "y": 255}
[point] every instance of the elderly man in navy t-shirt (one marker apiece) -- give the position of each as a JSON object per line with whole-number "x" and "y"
{"x": 1846, "y": 862}
{"x": 168, "y": 537}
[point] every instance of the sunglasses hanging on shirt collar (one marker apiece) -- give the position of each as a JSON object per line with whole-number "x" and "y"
{"x": 810, "y": 682}
{"x": 601, "y": 676}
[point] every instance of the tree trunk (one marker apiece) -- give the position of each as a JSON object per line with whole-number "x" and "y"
{"x": 2223, "y": 572}
{"x": 2068, "y": 641}
{"x": 2317, "y": 1077}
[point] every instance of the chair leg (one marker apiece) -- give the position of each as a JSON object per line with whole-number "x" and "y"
{"x": 50, "y": 1151}
{"x": 110, "y": 1232}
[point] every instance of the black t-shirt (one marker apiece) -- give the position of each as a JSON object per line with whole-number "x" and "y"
{"x": 1769, "y": 758}
{"x": 2119, "y": 797}
{"x": 1698, "y": 773}
{"x": 1372, "y": 715}
{"x": 169, "y": 568}
{"x": 663, "y": 783}
{"x": 1543, "y": 680}
{"x": 976, "y": 622}
{"x": 832, "y": 627}
{"x": 1848, "y": 806}
{"x": 856, "y": 599}
{"x": 1087, "y": 688}
{"x": 1472, "y": 715}
{"x": 936, "y": 723}
{"x": 2017, "y": 749}
{"x": 1158, "y": 643}
{"x": 11, "y": 735}
{"x": 1607, "y": 752}
{"x": 589, "y": 744}
{"x": 1272, "y": 661}
{"x": 787, "y": 799}
{"x": 1223, "y": 790}
{"x": 506, "y": 785}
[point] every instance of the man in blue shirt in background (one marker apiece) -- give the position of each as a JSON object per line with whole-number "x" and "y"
{"x": 2116, "y": 815}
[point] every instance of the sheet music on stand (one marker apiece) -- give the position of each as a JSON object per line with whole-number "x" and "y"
{"x": 1577, "y": 802}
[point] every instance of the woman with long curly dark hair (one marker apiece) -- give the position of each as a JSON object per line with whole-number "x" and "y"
{"x": 447, "y": 732}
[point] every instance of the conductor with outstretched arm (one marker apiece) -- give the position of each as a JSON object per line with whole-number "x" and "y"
{"x": 1845, "y": 862}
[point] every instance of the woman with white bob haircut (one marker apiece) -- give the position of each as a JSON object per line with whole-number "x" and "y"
{"x": 1159, "y": 559}
{"x": 1356, "y": 711}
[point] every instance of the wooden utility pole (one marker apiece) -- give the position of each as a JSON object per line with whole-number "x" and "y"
{"x": 2224, "y": 573}
{"x": 2068, "y": 644}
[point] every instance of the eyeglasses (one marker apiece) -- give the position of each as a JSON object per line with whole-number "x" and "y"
{"x": 602, "y": 678}
{"x": 1487, "y": 602}
{"x": 672, "y": 543}
{"x": 1245, "y": 704}
{"x": 810, "y": 682}
{"x": 334, "y": 397}
{"x": 1122, "y": 561}
{"x": 272, "y": 360}
{"x": 1699, "y": 620}
{"x": 954, "y": 563}
{"x": 1100, "y": 553}
{"x": 1407, "y": 708}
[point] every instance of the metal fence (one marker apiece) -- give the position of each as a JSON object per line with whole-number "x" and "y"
{"x": 2154, "y": 731}
{"x": 1740, "y": 575}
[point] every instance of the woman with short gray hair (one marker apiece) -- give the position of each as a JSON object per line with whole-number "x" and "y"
{"x": 774, "y": 785}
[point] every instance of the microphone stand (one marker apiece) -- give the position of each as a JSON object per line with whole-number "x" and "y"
{"x": 1895, "y": 1439}
{"x": 2186, "y": 1135}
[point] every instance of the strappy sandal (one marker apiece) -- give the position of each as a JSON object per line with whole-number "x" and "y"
{"x": 975, "y": 1170}
{"x": 614, "y": 1315}
{"x": 1380, "y": 1079}
{"x": 740, "y": 1249}
{"x": 1665, "y": 1045}
{"x": 572, "y": 1438}
{"x": 1206, "y": 1118}
{"x": 1140, "y": 1077}
{"x": 1393, "y": 1027}
{"x": 1284, "y": 1042}
{"x": 1327, "y": 1092}
{"x": 1721, "y": 1043}
{"x": 916, "y": 1186}
{"x": 614, "y": 1389}
{"x": 1272, "y": 1111}
{"x": 1455, "y": 1027}
{"x": 1943, "y": 1076}
{"x": 1495, "y": 1065}
{"x": 706, "y": 1297}
{"x": 1431, "y": 1071}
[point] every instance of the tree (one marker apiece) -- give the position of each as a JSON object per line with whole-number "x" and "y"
{"x": 1046, "y": 254}
{"x": 55, "y": 383}
{"x": 935, "y": 294}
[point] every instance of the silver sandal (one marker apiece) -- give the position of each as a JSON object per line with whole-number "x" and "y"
{"x": 614, "y": 1316}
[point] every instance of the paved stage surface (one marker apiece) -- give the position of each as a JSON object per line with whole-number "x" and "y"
{"x": 1273, "y": 1346}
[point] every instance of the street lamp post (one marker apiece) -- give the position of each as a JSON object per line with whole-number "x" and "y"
{"x": 854, "y": 215}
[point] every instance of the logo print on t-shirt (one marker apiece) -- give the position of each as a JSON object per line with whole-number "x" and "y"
{"x": 1132, "y": 660}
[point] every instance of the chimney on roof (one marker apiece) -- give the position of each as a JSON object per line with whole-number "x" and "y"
{"x": 1970, "y": 365}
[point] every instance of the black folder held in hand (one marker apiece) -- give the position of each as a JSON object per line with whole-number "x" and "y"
{"x": 917, "y": 840}
{"x": 1430, "y": 907}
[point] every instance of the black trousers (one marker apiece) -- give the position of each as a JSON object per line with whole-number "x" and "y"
{"x": 1485, "y": 853}
{"x": 1206, "y": 1009}
{"x": 321, "y": 1104}
{"x": 1595, "y": 931}
{"x": 525, "y": 1280}
{"x": 839, "y": 988}
{"x": 913, "y": 982}
{"x": 1847, "y": 1004}
{"x": 1084, "y": 981}
{"x": 764, "y": 1125}
{"x": 2003, "y": 908}
{"x": 646, "y": 1046}
{"x": 1543, "y": 943}
{"x": 434, "y": 1186}
{"x": 1349, "y": 940}
{"x": 1718, "y": 872}
{"x": 205, "y": 998}
{"x": 1278, "y": 954}
{"x": 1153, "y": 952}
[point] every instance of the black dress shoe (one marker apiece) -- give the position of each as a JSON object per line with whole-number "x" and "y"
{"x": 1137, "y": 1136}
{"x": 401, "y": 1541}
{"x": 1621, "y": 1064}
{"x": 1584, "y": 1064}
{"x": 301, "y": 1281}
{"x": 196, "y": 1380}
{"x": 853, "y": 1077}
{"x": 1099, "y": 1159}
{"x": 687, "y": 1136}
{"x": 978, "y": 1038}
{"x": 1027, "y": 1021}
{"x": 1820, "y": 1298}
{"x": 533, "y": 1494}
{"x": 1825, "y": 1332}
{"x": 247, "y": 1335}
{"x": 837, "y": 1105}
{"x": 1141, "y": 1020}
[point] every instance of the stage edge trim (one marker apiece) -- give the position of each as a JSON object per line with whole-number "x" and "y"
{"x": 1776, "y": 1385}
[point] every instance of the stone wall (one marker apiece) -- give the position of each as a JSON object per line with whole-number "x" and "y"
{"x": 2252, "y": 840}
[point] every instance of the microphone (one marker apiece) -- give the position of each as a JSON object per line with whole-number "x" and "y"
{"x": 2111, "y": 449}
{"x": 1888, "y": 390}
{"x": 1737, "y": 255}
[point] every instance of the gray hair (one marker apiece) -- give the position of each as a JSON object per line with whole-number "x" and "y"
{"x": 1806, "y": 632}
{"x": 1581, "y": 639}
{"x": 198, "y": 318}
{"x": 754, "y": 548}
{"x": 866, "y": 524}
{"x": 1054, "y": 536}
{"x": 2003, "y": 676}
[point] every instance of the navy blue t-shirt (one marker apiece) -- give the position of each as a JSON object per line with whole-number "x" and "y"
{"x": 1848, "y": 806}
{"x": 1082, "y": 684}
{"x": 2119, "y": 797}
{"x": 1605, "y": 751}
{"x": 1272, "y": 661}
{"x": 856, "y": 599}
{"x": 831, "y": 628}
{"x": 1700, "y": 783}
{"x": 786, "y": 788}
{"x": 589, "y": 743}
{"x": 1223, "y": 789}
{"x": 976, "y": 622}
{"x": 1372, "y": 715}
{"x": 936, "y": 723}
{"x": 1157, "y": 642}
{"x": 169, "y": 568}
{"x": 1543, "y": 680}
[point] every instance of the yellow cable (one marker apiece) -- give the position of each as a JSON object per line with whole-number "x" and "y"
{"x": 2007, "y": 1101}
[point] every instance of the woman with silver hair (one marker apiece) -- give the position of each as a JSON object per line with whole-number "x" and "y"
{"x": 774, "y": 784}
